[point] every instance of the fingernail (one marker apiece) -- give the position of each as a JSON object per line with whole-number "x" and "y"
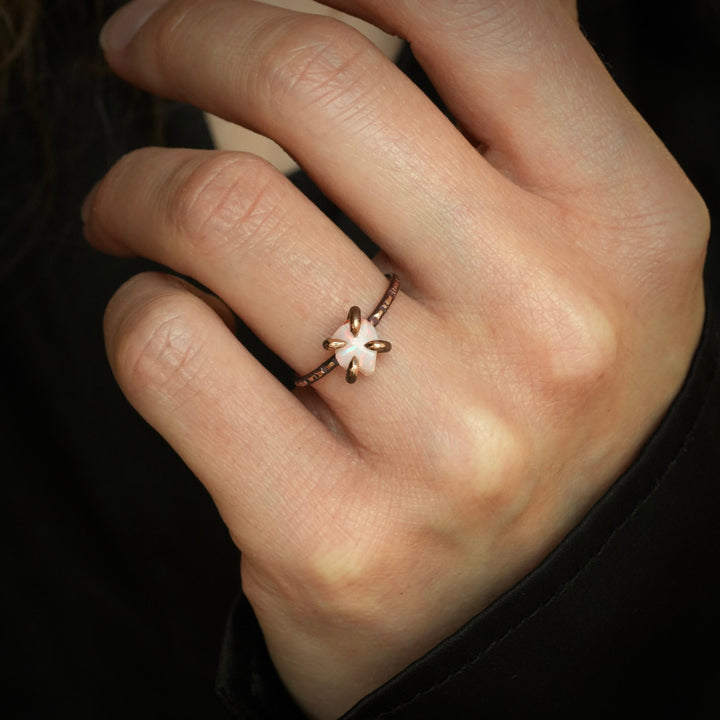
{"x": 122, "y": 27}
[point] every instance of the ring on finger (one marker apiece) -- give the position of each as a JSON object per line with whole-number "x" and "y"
{"x": 356, "y": 343}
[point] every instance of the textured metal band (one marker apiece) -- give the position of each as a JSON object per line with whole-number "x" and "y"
{"x": 374, "y": 318}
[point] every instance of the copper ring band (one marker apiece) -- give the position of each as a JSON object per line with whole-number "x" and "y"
{"x": 374, "y": 318}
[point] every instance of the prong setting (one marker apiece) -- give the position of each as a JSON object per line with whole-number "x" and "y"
{"x": 356, "y": 343}
{"x": 353, "y": 369}
{"x": 379, "y": 346}
{"x": 333, "y": 344}
{"x": 354, "y": 319}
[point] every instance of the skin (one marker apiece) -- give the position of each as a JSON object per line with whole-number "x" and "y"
{"x": 229, "y": 136}
{"x": 551, "y": 255}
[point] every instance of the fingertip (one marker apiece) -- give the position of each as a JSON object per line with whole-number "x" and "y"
{"x": 127, "y": 301}
{"x": 91, "y": 233}
{"x": 133, "y": 299}
{"x": 88, "y": 203}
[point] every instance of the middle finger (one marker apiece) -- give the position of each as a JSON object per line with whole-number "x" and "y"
{"x": 364, "y": 132}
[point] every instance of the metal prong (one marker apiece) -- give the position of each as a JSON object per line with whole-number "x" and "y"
{"x": 352, "y": 371}
{"x": 354, "y": 318}
{"x": 333, "y": 344}
{"x": 379, "y": 346}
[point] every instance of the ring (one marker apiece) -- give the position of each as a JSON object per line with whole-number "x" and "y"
{"x": 355, "y": 342}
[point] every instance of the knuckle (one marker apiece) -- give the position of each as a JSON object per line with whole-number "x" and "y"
{"x": 486, "y": 463}
{"x": 227, "y": 196}
{"x": 156, "y": 351}
{"x": 313, "y": 60}
{"x": 675, "y": 240}
{"x": 581, "y": 345}
{"x": 336, "y": 572}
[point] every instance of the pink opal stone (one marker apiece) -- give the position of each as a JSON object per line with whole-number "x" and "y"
{"x": 355, "y": 347}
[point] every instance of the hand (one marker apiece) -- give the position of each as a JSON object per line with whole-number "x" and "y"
{"x": 551, "y": 257}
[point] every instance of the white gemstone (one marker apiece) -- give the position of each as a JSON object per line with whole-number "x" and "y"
{"x": 355, "y": 346}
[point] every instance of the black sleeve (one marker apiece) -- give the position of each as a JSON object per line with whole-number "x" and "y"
{"x": 621, "y": 620}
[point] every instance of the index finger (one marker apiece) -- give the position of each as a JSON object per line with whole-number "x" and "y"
{"x": 523, "y": 81}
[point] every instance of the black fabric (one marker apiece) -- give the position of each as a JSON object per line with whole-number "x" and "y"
{"x": 118, "y": 575}
{"x": 247, "y": 681}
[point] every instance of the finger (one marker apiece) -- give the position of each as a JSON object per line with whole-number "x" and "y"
{"x": 249, "y": 441}
{"x": 570, "y": 7}
{"x": 240, "y": 228}
{"x": 212, "y": 301}
{"x": 522, "y": 80}
{"x": 371, "y": 140}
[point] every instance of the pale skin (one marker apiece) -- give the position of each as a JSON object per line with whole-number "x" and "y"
{"x": 230, "y": 136}
{"x": 551, "y": 256}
